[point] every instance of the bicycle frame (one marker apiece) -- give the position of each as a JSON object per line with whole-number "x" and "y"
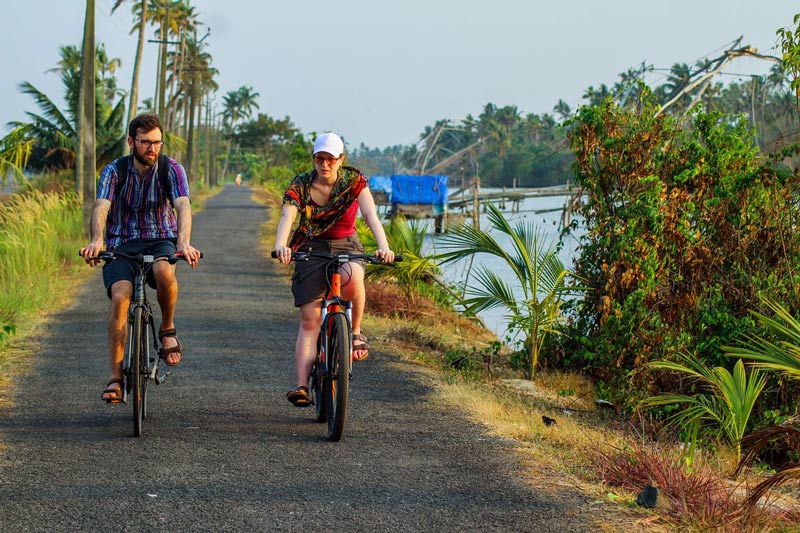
{"x": 139, "y": 301}
{"x": 333, "y": 303}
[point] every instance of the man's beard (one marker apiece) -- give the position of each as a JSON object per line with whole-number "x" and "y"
{"x": 141, "y": 159}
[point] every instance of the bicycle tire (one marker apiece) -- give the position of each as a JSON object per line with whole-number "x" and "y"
{"x": 337, "y": 384}
{"x": 146, "y": 364}
{"x": 315, "y": 381}
{"x": 137, "y": 354}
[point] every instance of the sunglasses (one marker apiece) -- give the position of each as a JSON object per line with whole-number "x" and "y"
{"x": 321, "y": 159}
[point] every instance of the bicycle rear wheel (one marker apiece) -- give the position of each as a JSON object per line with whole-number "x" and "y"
{"x": 137, "y": 367}
{"x": 315, "y": 381}
{"x": 336, "y": 385}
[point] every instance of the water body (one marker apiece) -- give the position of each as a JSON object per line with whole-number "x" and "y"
{"x": 530, "y": 211}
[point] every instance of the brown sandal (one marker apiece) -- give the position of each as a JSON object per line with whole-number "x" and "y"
{"x": 363, "y": 347}
{"x": 164, "y": 352}
{"x": 117, "y": 392}
{"x": 299, "y": 397}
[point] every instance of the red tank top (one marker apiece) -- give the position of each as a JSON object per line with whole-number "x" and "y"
{"x": 344, "y": 227}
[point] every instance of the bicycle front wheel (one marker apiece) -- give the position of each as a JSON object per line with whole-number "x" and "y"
{"x": 137, "y": 333}
{"x": 337, "y": 384}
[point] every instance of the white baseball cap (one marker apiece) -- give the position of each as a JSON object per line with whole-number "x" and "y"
{"x": 330, "y": 143}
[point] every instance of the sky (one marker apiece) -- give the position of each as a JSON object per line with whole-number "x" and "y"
{"x": 378, "y": 71}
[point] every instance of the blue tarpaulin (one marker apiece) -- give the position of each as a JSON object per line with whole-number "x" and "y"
{"x": 382, "y": 184}
{"x": 407, "y": 189}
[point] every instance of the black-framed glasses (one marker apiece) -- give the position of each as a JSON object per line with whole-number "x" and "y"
{"x": 321, "y": 159}
{"x": 147, "y": 143}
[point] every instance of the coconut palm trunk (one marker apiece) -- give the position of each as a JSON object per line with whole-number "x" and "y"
{"x": 137, "y": 63}
{"x": 85, "y": 171}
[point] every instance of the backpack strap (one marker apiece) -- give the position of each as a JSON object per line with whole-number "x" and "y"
{"x": 163, "y": 174}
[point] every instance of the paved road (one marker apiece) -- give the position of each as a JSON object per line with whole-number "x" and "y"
{"x": 223, "y": 449}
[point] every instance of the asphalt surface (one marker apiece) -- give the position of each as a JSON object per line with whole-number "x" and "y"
{"x": 222, "y": 449}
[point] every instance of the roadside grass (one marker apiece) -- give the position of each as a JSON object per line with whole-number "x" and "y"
{"x": 40, "y": 234}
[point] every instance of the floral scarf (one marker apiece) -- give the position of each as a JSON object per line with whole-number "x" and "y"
{"x": 316, "y": 220}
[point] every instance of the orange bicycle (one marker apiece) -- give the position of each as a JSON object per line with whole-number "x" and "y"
{"x": 329, "y": 382}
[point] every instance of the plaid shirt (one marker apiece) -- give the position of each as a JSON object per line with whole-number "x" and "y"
{"x": 316, "y": 220}
{"x": 143, "y": 210}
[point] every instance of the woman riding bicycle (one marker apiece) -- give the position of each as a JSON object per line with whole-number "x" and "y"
{"x": 327, "y": 199}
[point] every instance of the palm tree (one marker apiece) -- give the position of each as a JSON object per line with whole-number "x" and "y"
{"x": 86, "y": 164}
{"x": 15, "y": 149}
{"x": 562, "y": 109}
{"x": 231, "y": 109}
{"x": 537, "y": 268}
{"x": 201, "y": 77}
{"x": 55, "y": 132}
{"x": 237, "y": 105}
{"x": 183, "y": 22}
{"x": 408, "y": 239}
{"x": 728, "y": 406}
{"x": 596, "y": 96}
{"x": 247, "y": 101}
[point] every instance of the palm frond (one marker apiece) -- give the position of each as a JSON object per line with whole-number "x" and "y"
{"x": 492, "y": 292}
{"x": 52, "y": 115}
{"x": 783, "y": 355}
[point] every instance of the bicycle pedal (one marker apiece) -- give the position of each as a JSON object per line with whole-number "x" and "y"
{"x": 160, "y": 379}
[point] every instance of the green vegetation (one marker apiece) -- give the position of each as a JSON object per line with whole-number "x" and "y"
{"x": 417, "y": 271}
{"x": 684, "y": 227}
{"x": 40, "y": 233}
{"x": 53, "y": 132}
{"x": 725, "y": 403}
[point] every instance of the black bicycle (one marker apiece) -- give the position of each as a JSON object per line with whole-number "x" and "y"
{"x": 140, "y": 362}
{"x": 329, "y": 382}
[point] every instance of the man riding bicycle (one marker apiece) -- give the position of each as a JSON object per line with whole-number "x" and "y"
{"x": 141, "y": 209}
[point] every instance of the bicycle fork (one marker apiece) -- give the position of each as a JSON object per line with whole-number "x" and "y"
{"x": 330, "y": 306}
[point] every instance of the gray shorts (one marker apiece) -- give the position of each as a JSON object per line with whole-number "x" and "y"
{"x": 309, "y": 281}
{"x": 124, "y": 269}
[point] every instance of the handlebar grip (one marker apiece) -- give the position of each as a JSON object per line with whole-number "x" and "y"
{"x": 398, "y": 258}
{"x": 177, "y": 256}
{"x": 274, "y": 254}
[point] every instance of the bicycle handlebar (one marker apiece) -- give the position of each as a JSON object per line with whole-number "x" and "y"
{"x": 110, "y": 256}
{"x": 343, "y": 257}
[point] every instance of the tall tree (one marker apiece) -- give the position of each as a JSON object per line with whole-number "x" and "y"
{"x": 86, "y": 172}
{"x": 237, "y": 105}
